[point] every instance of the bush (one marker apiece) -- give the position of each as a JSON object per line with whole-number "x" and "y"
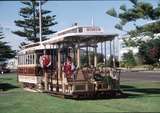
{"x": 100, "y": 65}
{"x": 129, "y": 60}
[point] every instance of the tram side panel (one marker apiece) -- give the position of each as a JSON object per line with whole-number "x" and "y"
{"x": 29, "y": 72}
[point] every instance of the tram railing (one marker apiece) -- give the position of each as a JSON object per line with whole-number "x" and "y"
{"x": 87, "y": 75}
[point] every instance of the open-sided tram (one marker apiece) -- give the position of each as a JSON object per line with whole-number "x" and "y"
{"x": 45, "y": 67}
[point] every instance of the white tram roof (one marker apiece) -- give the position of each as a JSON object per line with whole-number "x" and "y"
{"x": 89, "y": 34}
{"x": 30, "y": 47}
{"x": 72, "y": 35}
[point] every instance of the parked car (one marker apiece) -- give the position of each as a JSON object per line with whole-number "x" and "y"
{"x": 4, "y": 70}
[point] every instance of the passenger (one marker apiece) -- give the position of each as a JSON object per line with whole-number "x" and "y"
{"x": 69, "y": 69}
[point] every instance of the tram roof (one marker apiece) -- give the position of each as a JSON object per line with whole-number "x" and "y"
{"x": 88, "y": 37}
{"x": 92, "y": 36}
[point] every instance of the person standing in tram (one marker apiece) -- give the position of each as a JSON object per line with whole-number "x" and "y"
{"x": 69, "y": 69}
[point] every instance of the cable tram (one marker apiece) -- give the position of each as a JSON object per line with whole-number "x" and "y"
{"x": 54, "y": 66}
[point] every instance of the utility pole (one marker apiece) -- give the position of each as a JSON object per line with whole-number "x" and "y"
{"x": 40, "y": 22}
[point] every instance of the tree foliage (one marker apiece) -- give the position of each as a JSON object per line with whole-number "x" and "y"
{"x": 150, "y": 51}
{"x": 111, "y": 62}
{"x": 5, "y": 50}
{"x": 29, "y": 23}
{"x": 129, "y": 59}
{"x": 139, "y": 10}
{"x": 148, "y": 47}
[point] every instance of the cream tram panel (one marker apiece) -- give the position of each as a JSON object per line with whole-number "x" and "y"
{"x": 30, "y": 79}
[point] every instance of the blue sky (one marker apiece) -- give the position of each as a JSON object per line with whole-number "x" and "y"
{"x": 67, "y": 13}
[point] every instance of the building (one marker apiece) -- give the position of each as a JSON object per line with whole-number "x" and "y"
{"x": 122, "y": 48}
{"x": 12, "y": 64}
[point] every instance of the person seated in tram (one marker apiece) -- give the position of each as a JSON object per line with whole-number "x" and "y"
{"x": 69, "y": 69}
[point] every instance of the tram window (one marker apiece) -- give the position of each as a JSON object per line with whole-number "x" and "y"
{"x": 37, "y": 60}
{"x": 30, "y": 59}
{"x": 33, "y": 59}
{"x": 38, "y": 57}
{"x": 21, "y": 59}
{"x": 25, "y": 59}
{"x": 80, "y": 30}
{"x": 19, "y": 62}
{"x": 18, "y": 59}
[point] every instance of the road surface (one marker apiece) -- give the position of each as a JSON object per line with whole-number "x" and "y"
{"x": 140, "y": 76}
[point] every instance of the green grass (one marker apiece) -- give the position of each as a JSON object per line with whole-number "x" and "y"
{"x": 143, "y": 97}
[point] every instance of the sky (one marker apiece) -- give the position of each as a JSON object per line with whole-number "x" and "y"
{"x": 67, "y": 13}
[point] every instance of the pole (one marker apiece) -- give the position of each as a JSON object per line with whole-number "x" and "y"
{"x": 87, "y": 55}
{"x": 114, "y": 53}
{"x": 40, "y": 23}
{"x": 101, "y": 49}
{"x": 45, "y": 74}
{"x": 78, "y": 56}
{"x": 95, "y": 56}
{"x": 92, "y": 21}
{"x": 105, "y": 52}
{"x": 110, "y": 48}
{"x": 59, "y": 68}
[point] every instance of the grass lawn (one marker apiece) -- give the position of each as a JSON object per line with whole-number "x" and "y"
{"x": 143, "y": 97}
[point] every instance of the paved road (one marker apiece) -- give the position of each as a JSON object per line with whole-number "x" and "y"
{"x": 135, "y": 76}
{"x": 140, "y": 76}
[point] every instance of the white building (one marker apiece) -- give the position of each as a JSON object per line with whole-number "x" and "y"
{"x": 122, "y": 48}
{"x": 12, "y": 64}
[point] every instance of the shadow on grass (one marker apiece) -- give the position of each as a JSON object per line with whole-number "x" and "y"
{"x": 6, "y": 79}
{"x": 132, "y": 91}
{"x": 7, "y": 86}
{"x": 127, "y": 92}
{"x": 126, "y": 86}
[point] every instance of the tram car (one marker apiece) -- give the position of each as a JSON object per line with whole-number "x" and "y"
{"x": 54, "y": 65}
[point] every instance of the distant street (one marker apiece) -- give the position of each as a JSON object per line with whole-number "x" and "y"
{"x": 137, "y": 76}
{"x": 140, "y": 76}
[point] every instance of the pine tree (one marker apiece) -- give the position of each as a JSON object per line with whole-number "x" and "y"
{"x": 139, "y": 10}
{"x": 30, "y": 22}
{"x": 5, "y": 50}
{"x": 149, "y": 49}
